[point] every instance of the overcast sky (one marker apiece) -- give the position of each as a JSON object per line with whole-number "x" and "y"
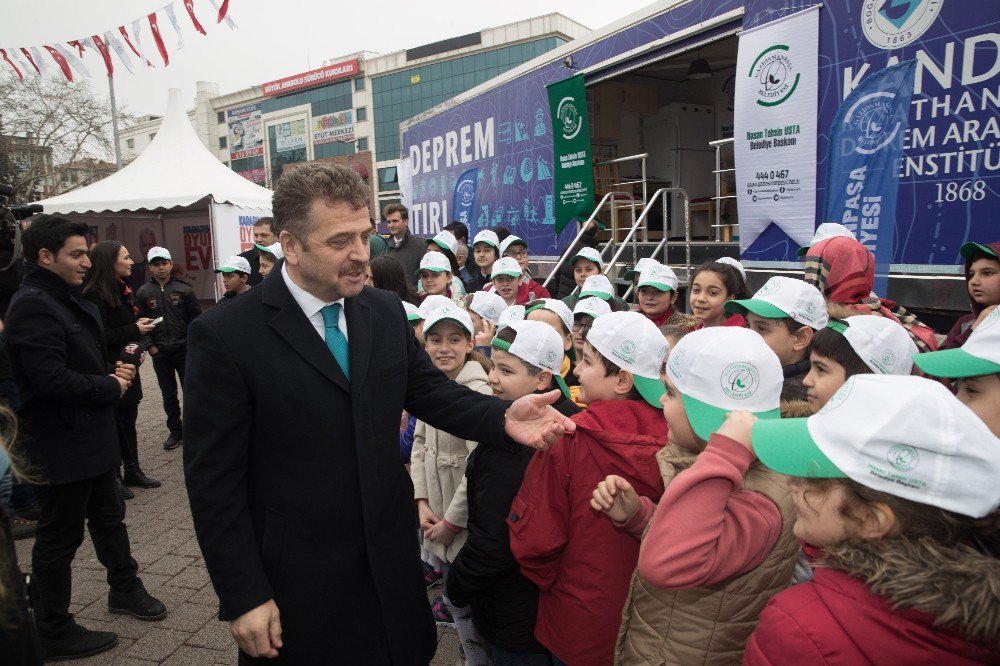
{"x": 275, "y": 38}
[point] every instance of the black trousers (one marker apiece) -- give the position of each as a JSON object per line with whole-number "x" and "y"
{"x": 64, "y": 509}
{"x": 128, "y": 438}
{"x": 166, "y": 363}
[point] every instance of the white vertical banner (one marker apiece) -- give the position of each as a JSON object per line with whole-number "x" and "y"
{"x": 777, "y": 95}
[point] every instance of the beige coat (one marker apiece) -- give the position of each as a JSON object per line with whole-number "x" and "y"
{"x": 437, "y": 467}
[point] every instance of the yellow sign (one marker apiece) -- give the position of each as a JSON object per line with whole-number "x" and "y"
{"x": 414, "y": 78}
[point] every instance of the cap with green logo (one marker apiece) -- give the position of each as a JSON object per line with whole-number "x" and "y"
{"x": 446, "y": 241}
{"x": 511, "y": 314}
{"x": 413, "y": 313}
{"x": 633, "y": 343}
{"x": 785, "y": 298}
{"x": 980, "y": 355}
{"x": 968, "y": 249}
{"x": 592, "y": 306}
{"x": 882, "y": 344}
{"x": 506, "y": 266}
{"x": 451, "y": 313}
{"x": 659, "y": 277}
{"x": 590, "y": 254}
{"x": 599, "y": 286}
{"x": 435, "y": 262}
{"x": 639, "y": 267}
{"x": 537, "y": 344}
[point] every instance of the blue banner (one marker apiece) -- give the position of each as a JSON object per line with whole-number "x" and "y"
{"x": 866, "y": 146}
{"x": 463, "y": 204}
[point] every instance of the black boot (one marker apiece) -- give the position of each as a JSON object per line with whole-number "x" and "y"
{"x": 138, "y": 603}
{"x": 135, "y": 477}
{"x": 123, "y": 492}
{"x": 78, "y": 643}
{"x": 172, "y": 442}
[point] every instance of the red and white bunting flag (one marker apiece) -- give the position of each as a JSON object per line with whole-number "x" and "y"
{"x": 118, "y": 47}
{"x": 172, "y": 15}
{"x": 3, "y": 53}
{"x": 189, "y": 6}
{"x": 39, "y": 60}
{"x": 31, "y": 61}
{"x": 224, "y": 13}
{"x": 61, "y": 61}
{"x": 137, "y": 37}
{"x": 73, "y": 60}
{"x": 96, "y": 43}
{"x": 155, "y": 29}
{"x": 77, "y": 45}
{"x": 22, "y": 63}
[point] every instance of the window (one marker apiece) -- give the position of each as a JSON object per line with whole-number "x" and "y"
{"x": 359, "y": 83}
{"x": 130, "y": 144}
{"x": 221, "y": 117}
{"x": 361, "y": 113}
{"x": 363, "y": 144}
{"x": 222, "y": 142}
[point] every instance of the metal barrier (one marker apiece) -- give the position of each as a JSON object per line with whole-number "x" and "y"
{"x": 719, "y": 198}
{"x": 663, "y": 245}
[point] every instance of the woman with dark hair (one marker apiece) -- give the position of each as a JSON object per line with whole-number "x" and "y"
{"x": 106, "y": 287}
{"x": 388, "y": 274}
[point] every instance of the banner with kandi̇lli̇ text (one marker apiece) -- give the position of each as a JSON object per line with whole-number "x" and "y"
{"x": 775, "y": 126}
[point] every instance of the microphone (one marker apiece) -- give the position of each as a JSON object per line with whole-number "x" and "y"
{"x": 134, "y": 353}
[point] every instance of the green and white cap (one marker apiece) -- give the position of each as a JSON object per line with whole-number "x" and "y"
{"x": 539, "y": 345}
{"x": 825, "y": 231}
{"x": 725, "y": 369}
{"x": 511, "y": 314}
{"x": 980, "y": 355}
{"x": 432, "y": 303}
{"x": 157, "y": 253}
{"x": 505, "y": 266}
{"x": 450, "y": 312}
{"x": 735, "y": 263}
{"x": 903, "y": 435}
{"x": 591, "y": 306}
{"x": 882, "y": 344}
{"x": 599, "y": 286}
{"x": 590, "y": 254}
{"x": 659, "y": 277}
{"x": 968, "y": 249}
{"x": 487, "y": 304}
{"x": 785, "y": 298}
{"x": 640, "y": 266}
{"x": 274, "y": 249}
{"x": 413, "y": 313}
{"x": 233, "y": 265}
{"x": 511, "y": 240}
{"x": 446, "y": 241}
{"x": 555, "y": 305}
{"x": 487, "y": 236}
{"x": 436, "y": 262}
{"x": 633, "y": 343}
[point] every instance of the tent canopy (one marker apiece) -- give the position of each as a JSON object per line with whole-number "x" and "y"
{"x": 176, "y": 170}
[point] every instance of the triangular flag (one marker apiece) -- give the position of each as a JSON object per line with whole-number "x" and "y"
{"x": 23, "y": 63}
{"x": 95, "y": 42}
{"x": 137, "y": 34}
{"x": 39, "y": 60}
{"x": 224, "y": 13}
{"x": 10, "y": 62}
{"x": 172, "y": 15}
{"x": 189, "y": 6}
{"x": 73, "y": 60}
{"x": 61, "y": 61}
{"x": 154, "y": 27}
{"x": 116, "y": 44}
{"x": 76, "y": 44}
{"x": 31, "y": 61}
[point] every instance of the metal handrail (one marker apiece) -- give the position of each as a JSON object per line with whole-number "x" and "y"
{"x": 630, "y": 158}
{"x": 718, "y": 145}
{"x": 610, "y": 196}
{"x": 663, "y": 244}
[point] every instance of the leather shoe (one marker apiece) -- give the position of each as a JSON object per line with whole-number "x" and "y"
{"x": 123, "y": 492}
{"x": 79, "y": 643}
{"x": 172, "y": 442}
{"x": 138, "y": 603}
{"x": 134, "y": 476}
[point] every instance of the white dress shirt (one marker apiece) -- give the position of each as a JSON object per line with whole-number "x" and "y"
{"x": 312, "y": 306}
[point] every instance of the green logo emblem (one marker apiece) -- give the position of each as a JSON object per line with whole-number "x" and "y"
{"x": 550, "y": 358}
{"x": 569, "y": 117}
{"x": 770, "y": 287}
{"x": 740, "y": 380}
{"x": 903, "y": 458}
{"x": 775, "y": 74}
{"x": 839, "y": 397}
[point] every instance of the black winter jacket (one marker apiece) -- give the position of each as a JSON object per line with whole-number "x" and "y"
{"x": 409, "y": 253}
{"x": 119, "y": 330}
{"x": 485, "y": 573}
{"x": 178, "y": 306}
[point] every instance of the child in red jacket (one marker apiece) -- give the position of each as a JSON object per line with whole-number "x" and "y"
{"x": 579, "y": 560}
{"x": 895, "y": 485}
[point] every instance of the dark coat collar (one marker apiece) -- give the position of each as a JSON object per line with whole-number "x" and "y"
{"x": 49, "y": 282}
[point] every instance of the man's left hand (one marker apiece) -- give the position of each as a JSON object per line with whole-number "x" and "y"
{"x": 533, "y": 422}
{"x": 125, "y": 370}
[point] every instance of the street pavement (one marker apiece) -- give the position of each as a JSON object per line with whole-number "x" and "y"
{"x": 170, "y": 565}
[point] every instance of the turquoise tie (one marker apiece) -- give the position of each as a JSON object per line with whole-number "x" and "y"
{"x": 335, "y": 338}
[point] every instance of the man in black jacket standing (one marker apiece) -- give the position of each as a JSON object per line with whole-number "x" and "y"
{"x": 263, "y": 234}
{"x": 403, "y": 245}
{"x": 68, "y": 393}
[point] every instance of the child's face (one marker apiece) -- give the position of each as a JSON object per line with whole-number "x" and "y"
{"x": 506, "y": 287}
{"x": 788, "y": 347}
{"x": 484, "y": 255}
{"x": 266, "y": 264}
{"x": 583, "y": 269}
{"x": 233, "y": 281}
{"x": 510, "y": 378}
{"x": 594, "y": 386}
{"x": 552, "y": 319}
{"x": 160, "y": 268}
{"x": 679, "y": 431}
{"x": 825, "y": 377}
{"x": 653, "y": 302}
{"x": 435, "y": 283}
{"x": 708, "y": 298}
{"x": 982, "y": 395}
{"x": 818, "y": 519}
{"x": 581, "y": 325}
{"x": 984, "y": 281}
{"x": 448, "y": 345}
{"x": 520, "y": 253}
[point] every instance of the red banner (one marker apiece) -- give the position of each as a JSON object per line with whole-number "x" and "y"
{"x": 314, "y": 77}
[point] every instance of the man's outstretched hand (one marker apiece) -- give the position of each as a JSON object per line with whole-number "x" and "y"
{"x": 533, "y": 422}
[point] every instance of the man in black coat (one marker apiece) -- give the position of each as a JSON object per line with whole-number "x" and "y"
{"x": 263, "y": 234}
{"x": 68, "y": 392}
{"x": 403, "y": 245}
{"x": 303, "y": 512}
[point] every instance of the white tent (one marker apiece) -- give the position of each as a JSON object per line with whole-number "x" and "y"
{"x": 175, "y": 194}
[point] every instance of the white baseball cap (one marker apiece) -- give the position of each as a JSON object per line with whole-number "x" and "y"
{"x": 825, "y": 231}
{"x": 511, "y": 314}
{"x": 554, "y": 305}
{"x": 432, "y": 303}
{"x": 274, "y": 249}
{"x": 734, "y": 263}
{"x": 633, "y": 343}
{"x": 446, "y": 241}
{"x": 449, "y": 312}
{"x": 640, "y": 266}
{"x": 785, "y": 298}
{"x": 591, "y": 306}
{"x": 882, "y": 344}
{"x": 903, "y": 435}
{"x": 233, "y": 264}
{"x": 435, "y": 262}
{"x": 506, "y": 266}
{"x": 980, "y": 355}
{"x": 413, "y": 313}
{"x": 537, "y": 344}
{"x": 487, "y": 236}
{"x": 599, "y": 286}
{"x": 487, "y": 304}
{"x": 158, "y": 253}
{"x": 511, "y": 240}
{"x": 659, "y": 277}
{"x": 725, "y": 369}
{"x": 590, "y": 254}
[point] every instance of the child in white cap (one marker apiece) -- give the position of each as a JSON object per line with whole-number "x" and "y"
{"x": 586, "y": 311}
{"x": 485, "y": 308}
{"x": 506, "y": 282}
{"x": 634, "y": 272}
{"x": 712, "y": 286}
{"x": 269, "y": 256}
{"x": 579, "y": 560}
{"x": 485, "y": 252}
{"x": 235, "y": 276}
{"x": 586, "y": 263}
{"x": 516, "y": 248}
{"x": 556, "y": 314}
{"x": 657, "y": 293}
{"x": 435, "y": 277}
{"x": 719, "y": 543}
{"x": 896, "y": 496}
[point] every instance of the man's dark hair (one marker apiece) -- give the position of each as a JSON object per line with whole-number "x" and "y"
{"x": 396, "y": 208}
{"x": 459, "y": 230}
{"x": 612, "y": 369}
{"x": 830, "y": 344}
{"x": 388, "y": 274}
{"x": 298, "y": 188}
{"x": 508, "y": 334}
{"x": 501, "y": 232}
{"x": 49, "y": 232}
{"x": 269, "y": 221}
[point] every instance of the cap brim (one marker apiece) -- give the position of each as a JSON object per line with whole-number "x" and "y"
{"x": 650, "y": 389}
{"x": 561, "y": 383}
{"x": 629, "y": 274}
{"x": 599, "y": 294}
{"x": 756, "y": 306}
{"x": 441, "y": 245}
{"x": 655, "y": 285}
{"x": 458, "y": 323}
{"x": 152, "y": 259}
{"x": 787, "y": 447}
{"x": 433, "y": 270}
{"x": 225, "y": 270}
{"x": 802, "y": 251}
{"x": 572, "y": 262}
{"x": 706, "y": 419}
{"x": 968, "y": 249}
{"x": 953, "y": 363}
{"x": 507, "y": 273}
